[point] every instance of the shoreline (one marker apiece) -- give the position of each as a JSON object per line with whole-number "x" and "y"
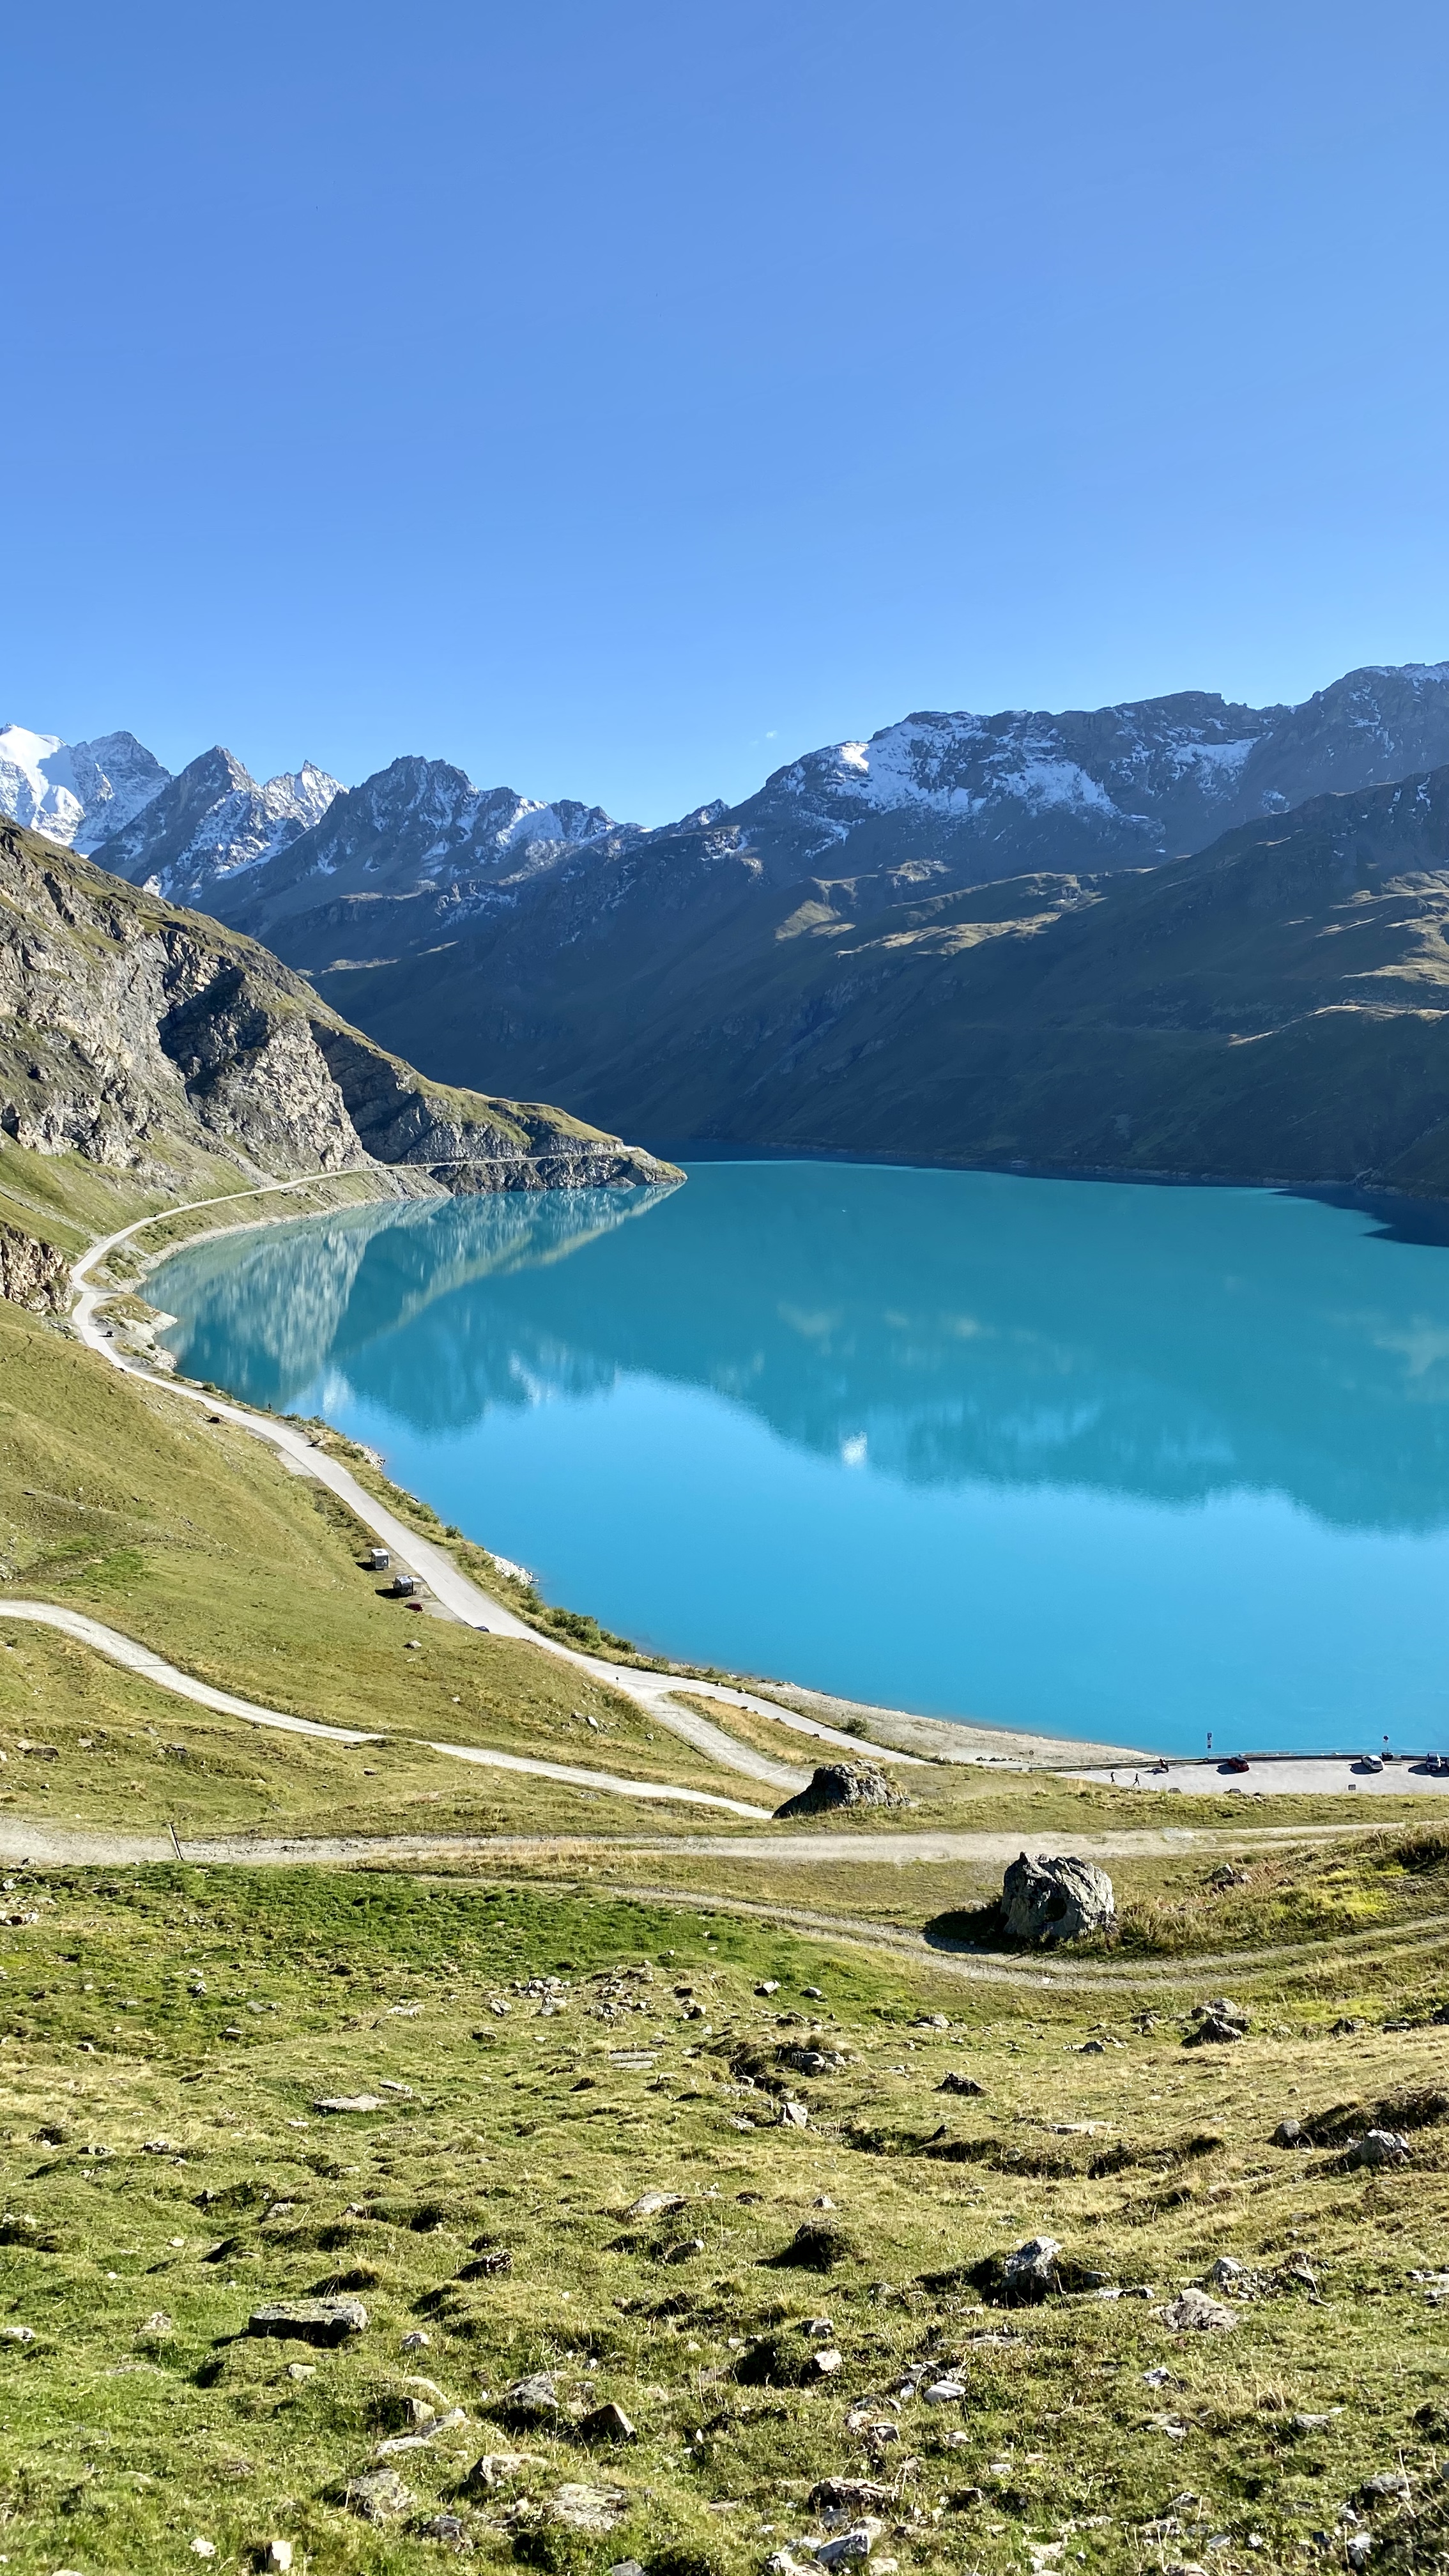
{"x": 844, "y": 1724}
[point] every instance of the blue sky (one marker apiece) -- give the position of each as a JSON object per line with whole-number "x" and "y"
{"x": 621, "y": 396}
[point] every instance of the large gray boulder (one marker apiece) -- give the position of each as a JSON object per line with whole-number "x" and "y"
{"x": 1046, "y": 1900}
{"x": 842, "y": 1784}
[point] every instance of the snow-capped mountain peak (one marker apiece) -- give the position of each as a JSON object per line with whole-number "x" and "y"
{"x": 212, "y": 822}
{"x": 75, "y": 792}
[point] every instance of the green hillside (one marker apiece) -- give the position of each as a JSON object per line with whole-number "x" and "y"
{"x": 1270, "y": 1008}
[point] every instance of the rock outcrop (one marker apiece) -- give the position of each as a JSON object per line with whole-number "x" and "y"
{"x": 33, "y": 1273}
{"x": 145, "y": 1037}
{"x": 1055, "y": 1900}
{"x": 842, "y": 1784}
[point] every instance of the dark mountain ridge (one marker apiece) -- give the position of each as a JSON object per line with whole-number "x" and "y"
{"x": 1274, "y": 1007}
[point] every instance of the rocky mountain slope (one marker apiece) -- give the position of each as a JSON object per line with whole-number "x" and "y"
{"x": 1276, "y": 1006}
{"x": 142, "y": 1037}
{"x": 212, "y": 825}
{"x": 417, "y": 853}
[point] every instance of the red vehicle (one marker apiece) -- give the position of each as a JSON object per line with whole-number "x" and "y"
{"x": 1236, "y": 1762}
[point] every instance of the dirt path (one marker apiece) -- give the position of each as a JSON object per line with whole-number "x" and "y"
{"x": 459, "y": 1595}
{"x": 152, "y": 1668}
{"x": 44, "y": 1845}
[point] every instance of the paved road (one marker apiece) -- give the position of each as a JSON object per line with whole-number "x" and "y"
{"x": 139, "y": 1659}
{"x": 1278, "y": 1776}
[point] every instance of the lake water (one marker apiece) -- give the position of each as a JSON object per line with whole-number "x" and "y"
{"x": 1102, "y": 1460}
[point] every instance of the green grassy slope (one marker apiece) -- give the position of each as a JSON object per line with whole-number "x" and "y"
{"x": 167, "y": 2035}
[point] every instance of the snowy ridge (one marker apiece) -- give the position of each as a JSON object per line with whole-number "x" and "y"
{"x": 75, "y": 792}
{"x": 213, "y": 822}
{"x": 938, "y": 799}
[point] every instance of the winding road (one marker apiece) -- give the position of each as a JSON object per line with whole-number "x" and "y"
{"x": 455, "y": 1592}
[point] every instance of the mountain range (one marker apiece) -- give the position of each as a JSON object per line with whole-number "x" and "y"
{"x": 1023, "y": 937}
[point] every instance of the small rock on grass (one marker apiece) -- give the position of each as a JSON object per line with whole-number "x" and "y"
{"x": 335, "y": 2102}
{"x": 1378, "y": 2147}
{"x": 1193, "y": 2312}
{"x": 532, "y": 2397}
{"x": 1216, "y": 2023}
{"x": 848, "y": 2495}
{"x": 606, "y": 2423}
{"x": 956, "y": 2082}
{"x": 655, "y": 2204}
{"x": 848, "y": 2545}
{"x": 497, "y": 2467}
{"x": 585, "y": 2508}
{"x": 380, "y": 2496}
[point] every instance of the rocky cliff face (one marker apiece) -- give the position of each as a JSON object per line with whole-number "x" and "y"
{"x": 142, "y": 1036}
{"x": 32, "y": 1273}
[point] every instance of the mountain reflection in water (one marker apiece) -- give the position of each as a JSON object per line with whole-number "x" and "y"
{"x": 942, "y": 1329}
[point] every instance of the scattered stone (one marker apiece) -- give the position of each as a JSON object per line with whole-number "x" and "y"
{"x": 792, "y": 2115}
{"x": 1031, "y": 2272}
{"x": 583, "y": 2508}
{"x": 1049, "y": 1901}
{"x": 1193, "y": 2312}
{"x": 813, "y": 2061}
{"x": 814, "y": 1993}
{"x": 17, "y": 2334}
{"x": 956, "y": 2082}
{"x": 417, "y": 2341}
{"x": 428, "y": 2429}
{"x": 823, "y": 2365}
{"x": 379, "y": 2497}
{"x": 301, "y": 2370}
{"x": 1388, "y": 2483}
{"x": 607, "y": 2423}
{"x": 1216, "y": 2023}
{"x": 654, "y": 2204}
{"x": 684, "y": 2252}
{"x": 768, "y": 1986}
{"x": 1379, "y": 2147}
{"x": 203, "y": 2548}
{"x": 277, "y": 2557}
{"x": 944, "y": 2392}
{"x": 813, "y": 2248}
{"x": 497, "y": 2467}
{"x": 531, "y": 2398}
{"x": 842, "y": 1784}
{"x": 1227, "y": 2273}
{"x": 450, "y": 2528}
{"x": 931, "y": 2021}
{"x": 328, "y": 2321}
{"x": 156, "y": 2328}
{"x": 848, "y": 2545}
{"x": 820, "y": 2327}
{"x": 625, "y": 2567}
{"x": 848, "y": 2496}
{"x": 1290, "y": 2133}
{"x": 334, "y": 2102}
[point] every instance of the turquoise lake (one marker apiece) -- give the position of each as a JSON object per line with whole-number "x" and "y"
{"x": 1103, "y": 1460}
